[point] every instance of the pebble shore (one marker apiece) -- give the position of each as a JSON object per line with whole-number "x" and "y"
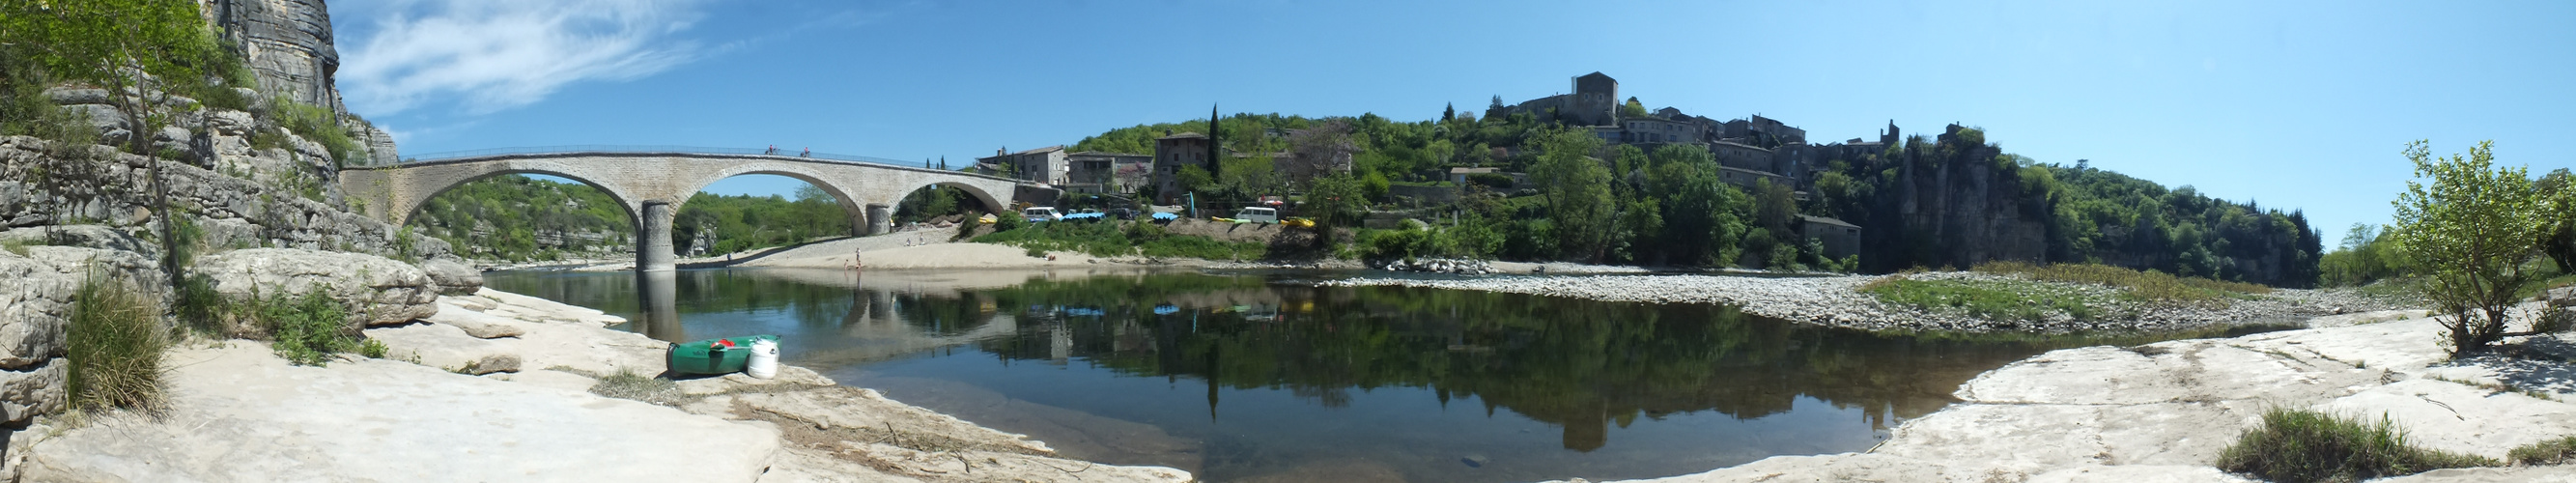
{"x": 1837, "y": 301}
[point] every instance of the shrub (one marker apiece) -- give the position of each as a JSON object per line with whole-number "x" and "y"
{"x": 306, "y": 329}
{"x": 1393, "y": 244}
{"x": 315, "y": 124}
{"x": 198, "y": 305}
{"x": 2551, "y": 452}
{"x": 114, "y": 344}
{"x": 373, "y": 349}
{"x": 2302, "y": 446}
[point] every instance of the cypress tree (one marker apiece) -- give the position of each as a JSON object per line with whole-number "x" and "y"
{"x": 1215, "y": 139}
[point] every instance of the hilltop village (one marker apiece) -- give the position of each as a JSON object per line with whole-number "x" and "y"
{"x": 1750, "y": 151}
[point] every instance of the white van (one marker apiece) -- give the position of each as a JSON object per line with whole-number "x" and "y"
{"x": 1041, "y": 213}
{"x": 1258, "y": 215}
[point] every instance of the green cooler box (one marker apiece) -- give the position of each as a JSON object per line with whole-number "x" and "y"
{"x": 712, "y": 356}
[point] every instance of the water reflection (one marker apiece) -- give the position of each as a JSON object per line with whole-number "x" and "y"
{"x": 1237, "y": 377}
{"x": 660, "y": 293}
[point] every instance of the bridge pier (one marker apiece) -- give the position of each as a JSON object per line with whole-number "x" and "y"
{"x": 880, "y": 219}
{"x": 653, "y": 245}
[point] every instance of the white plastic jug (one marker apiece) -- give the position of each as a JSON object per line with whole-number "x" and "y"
{"x": 764, "y": 359}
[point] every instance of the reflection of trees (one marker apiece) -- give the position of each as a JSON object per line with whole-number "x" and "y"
{"x": 1579, "y": 364}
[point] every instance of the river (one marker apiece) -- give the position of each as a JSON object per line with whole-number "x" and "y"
{"x": 1260, "y": 376}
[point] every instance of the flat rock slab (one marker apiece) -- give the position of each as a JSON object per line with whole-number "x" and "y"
{"x": 239, "y": 413}
{"x": 2163, "y": 412}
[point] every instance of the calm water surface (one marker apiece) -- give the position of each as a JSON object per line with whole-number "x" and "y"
{"x": 1263, "y": 377}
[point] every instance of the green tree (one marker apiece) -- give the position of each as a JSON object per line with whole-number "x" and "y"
{"x": 1774, "y": 206}
{"x": 97, "y": 41}
{"x": 1194, "y": 178}
{"x": 1577, "y": 192}
{"x": 1335, "y": 201}
{"x": 2560, "y": 189}
{"x": 2470, "y": 230}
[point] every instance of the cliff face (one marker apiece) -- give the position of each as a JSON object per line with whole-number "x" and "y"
{"x": 288, "y": 46}
{"x": 1955, "y": 207}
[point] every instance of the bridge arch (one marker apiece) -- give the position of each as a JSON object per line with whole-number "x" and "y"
{"x": 625, "y": 203}
{"x": 842, "y": 195}
{"x": 990, "y": 203}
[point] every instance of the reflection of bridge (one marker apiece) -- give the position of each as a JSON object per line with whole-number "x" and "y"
{"x": 651, "y": 183}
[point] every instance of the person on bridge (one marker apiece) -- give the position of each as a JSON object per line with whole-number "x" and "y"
{"x": 809, "y": 152}
{"x": 773, "y": 150}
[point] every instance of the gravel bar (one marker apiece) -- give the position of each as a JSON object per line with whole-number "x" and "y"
{"x": 1836, "y": 301}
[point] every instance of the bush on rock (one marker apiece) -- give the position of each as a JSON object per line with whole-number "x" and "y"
{"x": 2303, "y": 446}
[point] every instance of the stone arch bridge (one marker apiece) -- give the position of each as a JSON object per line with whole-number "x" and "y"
{"x": 652, "y": 184}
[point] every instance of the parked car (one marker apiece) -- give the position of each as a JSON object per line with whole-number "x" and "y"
{"x": 1041, "y": 213}
{"x": 1258, "y": 215}
{"x": 1122, "y": 213}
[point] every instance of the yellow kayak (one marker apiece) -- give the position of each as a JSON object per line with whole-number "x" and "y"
{"x": 987, "y": 219}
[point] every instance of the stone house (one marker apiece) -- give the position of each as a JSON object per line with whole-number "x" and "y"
{"x": 1098, "y": 172}
{"x": 1171, "y": 153}
{"x": 1651, "y": 130}
{"x": 1839, "y": 238}
{"x": 1045, "y": 165}
{"x": 1748, "y": 178}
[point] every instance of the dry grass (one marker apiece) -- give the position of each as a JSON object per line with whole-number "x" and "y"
{"x": 2551, "y": 452}
{"x": 626, "y": 384}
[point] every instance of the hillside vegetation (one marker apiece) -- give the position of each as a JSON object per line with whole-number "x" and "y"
{"x": 1591, "y": 201}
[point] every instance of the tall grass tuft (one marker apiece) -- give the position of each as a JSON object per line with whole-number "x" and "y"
{"x": 2303, "y": 446}
{"x": 114, "y": 344}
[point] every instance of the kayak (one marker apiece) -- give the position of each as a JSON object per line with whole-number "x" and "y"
{"x": 712, "y": 356}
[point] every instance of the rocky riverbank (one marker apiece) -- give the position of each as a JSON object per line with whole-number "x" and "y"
{"x": 1838, "y": 301}
{"x": 2162, "y": 412}
{"x": 502, "y": 387}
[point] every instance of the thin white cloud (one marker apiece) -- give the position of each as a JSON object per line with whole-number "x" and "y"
{"x": 490, "y": 55}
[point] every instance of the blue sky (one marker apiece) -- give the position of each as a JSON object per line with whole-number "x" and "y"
{"x": 2290, "y": 104}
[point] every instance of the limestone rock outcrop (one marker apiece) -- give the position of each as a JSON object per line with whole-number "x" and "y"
{"x": 375, "y": 290}
{"x": 453, "y": 277}
{"x": 268, "y": 209}
{"x": 290, "y": 46}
